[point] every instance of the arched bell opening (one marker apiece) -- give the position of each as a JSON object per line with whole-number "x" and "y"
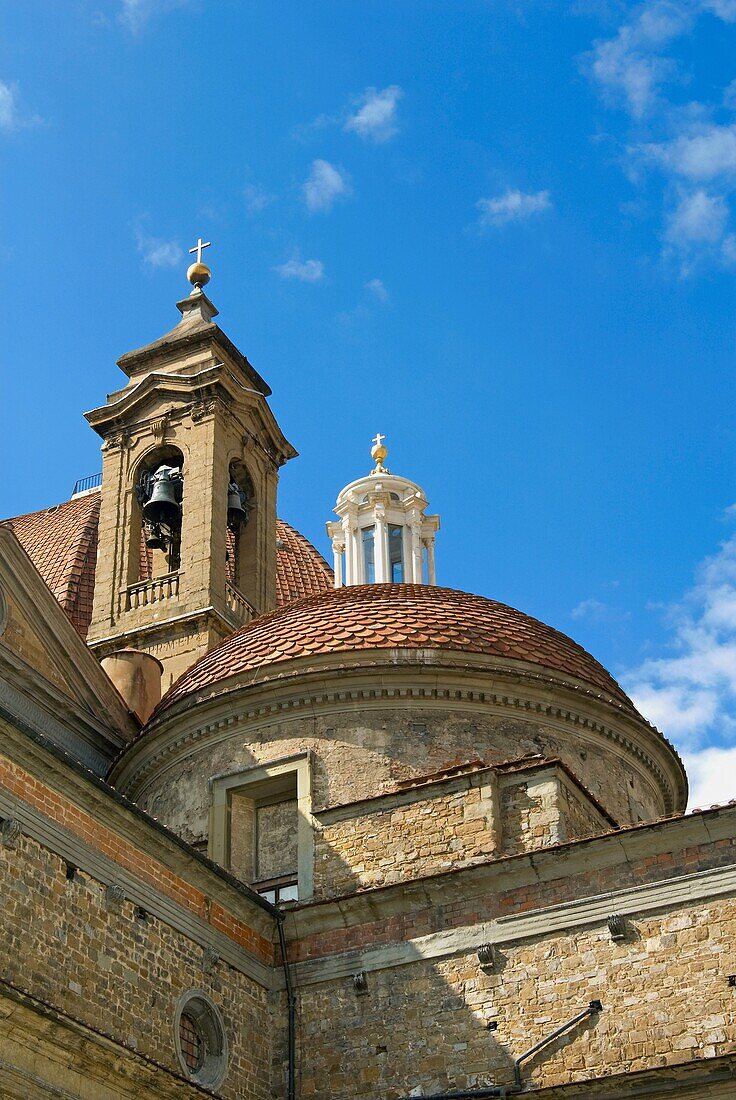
{"x": 242, "y": 530}
{"x": 158, "y": 492}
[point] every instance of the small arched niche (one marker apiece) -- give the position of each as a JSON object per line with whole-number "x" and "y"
{"x": 155, "y": 548}
{"x": 242, "y": 533}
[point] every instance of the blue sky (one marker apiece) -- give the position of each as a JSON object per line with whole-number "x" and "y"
{"x": 502, "y": 233}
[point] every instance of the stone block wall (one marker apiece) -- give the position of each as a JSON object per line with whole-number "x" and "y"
{"x": 433, "y": 1018}
{"x": 109, "y": 965}
{"x": 361, "y": 754}
{"x": 579, "y": 816}
{"x": 448, "y": 822}
{"x": 448, "y": 1024}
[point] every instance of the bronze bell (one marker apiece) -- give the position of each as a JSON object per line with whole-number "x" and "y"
{"x": 236, "y": 513}
{"x": 163, "y": 507}
{"x": 155, "y": 538}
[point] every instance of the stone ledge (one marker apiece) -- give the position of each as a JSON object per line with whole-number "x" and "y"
{"x": 581, "y": 913}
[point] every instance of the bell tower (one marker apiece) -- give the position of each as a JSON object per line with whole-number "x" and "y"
{"x": 191, "y": 454}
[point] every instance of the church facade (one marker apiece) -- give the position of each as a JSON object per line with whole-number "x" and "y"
{"x": 275, "y": 829}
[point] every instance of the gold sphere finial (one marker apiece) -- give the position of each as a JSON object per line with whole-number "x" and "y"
{"x": 378, "y": 453}
{"x": 199, "y": 274}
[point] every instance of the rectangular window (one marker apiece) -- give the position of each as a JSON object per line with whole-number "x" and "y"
{"x": 261, "y": 827}
{"x": 369, "y": 554}
{"x": 396, "y": 553}
{"x": 264, "y": 836}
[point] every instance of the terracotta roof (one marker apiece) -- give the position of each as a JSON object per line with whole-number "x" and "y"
{"x": 62, "y": 544}
{"x": 300, "y": 569}
{"x": 390, "y": 616}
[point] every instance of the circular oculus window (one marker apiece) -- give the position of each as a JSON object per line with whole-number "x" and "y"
{"x": 201, "y": 1043}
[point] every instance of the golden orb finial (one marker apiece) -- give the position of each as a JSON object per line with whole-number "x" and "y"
{"x": 378, "y": 453}
{"x": 199, "y": 274}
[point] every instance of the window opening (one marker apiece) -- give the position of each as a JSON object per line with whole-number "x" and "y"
{"x": 369, "y": 554}
{"x": 396, "y": 553}
{"x": 200, "y": 1039}
{"x": 191, "y": 1041}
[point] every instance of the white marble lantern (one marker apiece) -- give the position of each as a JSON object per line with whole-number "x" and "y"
{"x": 383, "y": 535}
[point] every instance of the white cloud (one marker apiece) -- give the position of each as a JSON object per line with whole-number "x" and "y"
{"x": 728, "y": 250}
{"x": 305, "y": 271}
{"x": 512, "y": 206}
{"x": 690, "y": 692}
{"x": 712, "y": 775}
{"x": 325, "y": 184}
{"x": 375, "y": 120}
{"x": 630, "y": 68}
{"x": 724, "y": 9}
{"x": 377, "y": 289}
{"x": 698, "y": 218}
{"x": 134, "y": 14}
{"x": 599, "y": 612}
{"x": 729, "y": 96}
{"x": 8, "y": 109}
{"x": 10, "y": 115}
{"x": 157, "y": 252}
{"x": 700, "y": 156}
{"x": 256, "y": 199}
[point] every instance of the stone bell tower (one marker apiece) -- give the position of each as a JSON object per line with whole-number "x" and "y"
{"x": 191, "y": 454}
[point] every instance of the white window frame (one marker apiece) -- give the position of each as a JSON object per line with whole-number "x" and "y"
{"x": 257, "y": 780}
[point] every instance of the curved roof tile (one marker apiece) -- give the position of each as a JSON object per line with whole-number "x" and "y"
{"x": 62, "y": 544}
{"x": 389, "y": 616}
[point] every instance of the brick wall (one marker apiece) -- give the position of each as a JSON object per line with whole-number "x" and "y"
{"x": 112, "y": 966}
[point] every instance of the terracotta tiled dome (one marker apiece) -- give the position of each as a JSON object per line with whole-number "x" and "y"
{"x": 391, "y": 616}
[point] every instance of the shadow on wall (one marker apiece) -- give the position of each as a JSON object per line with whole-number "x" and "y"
{"x": 427, "y": 1028}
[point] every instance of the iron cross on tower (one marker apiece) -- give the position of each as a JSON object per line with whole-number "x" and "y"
{"x": 198, "y": 248}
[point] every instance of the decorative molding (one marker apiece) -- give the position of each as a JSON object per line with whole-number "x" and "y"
{"x": 476, "y": 939}
{"x": 360, "y": 982}
{"x": 79, "y": 738}
{"x": 486, "y": 956}
{"x": 114, "y": 898}
{"x": 210, "y": 959}
{"x": 10, "y": 832}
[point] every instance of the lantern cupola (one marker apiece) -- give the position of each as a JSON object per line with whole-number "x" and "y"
{"x": 383, "y": 535}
